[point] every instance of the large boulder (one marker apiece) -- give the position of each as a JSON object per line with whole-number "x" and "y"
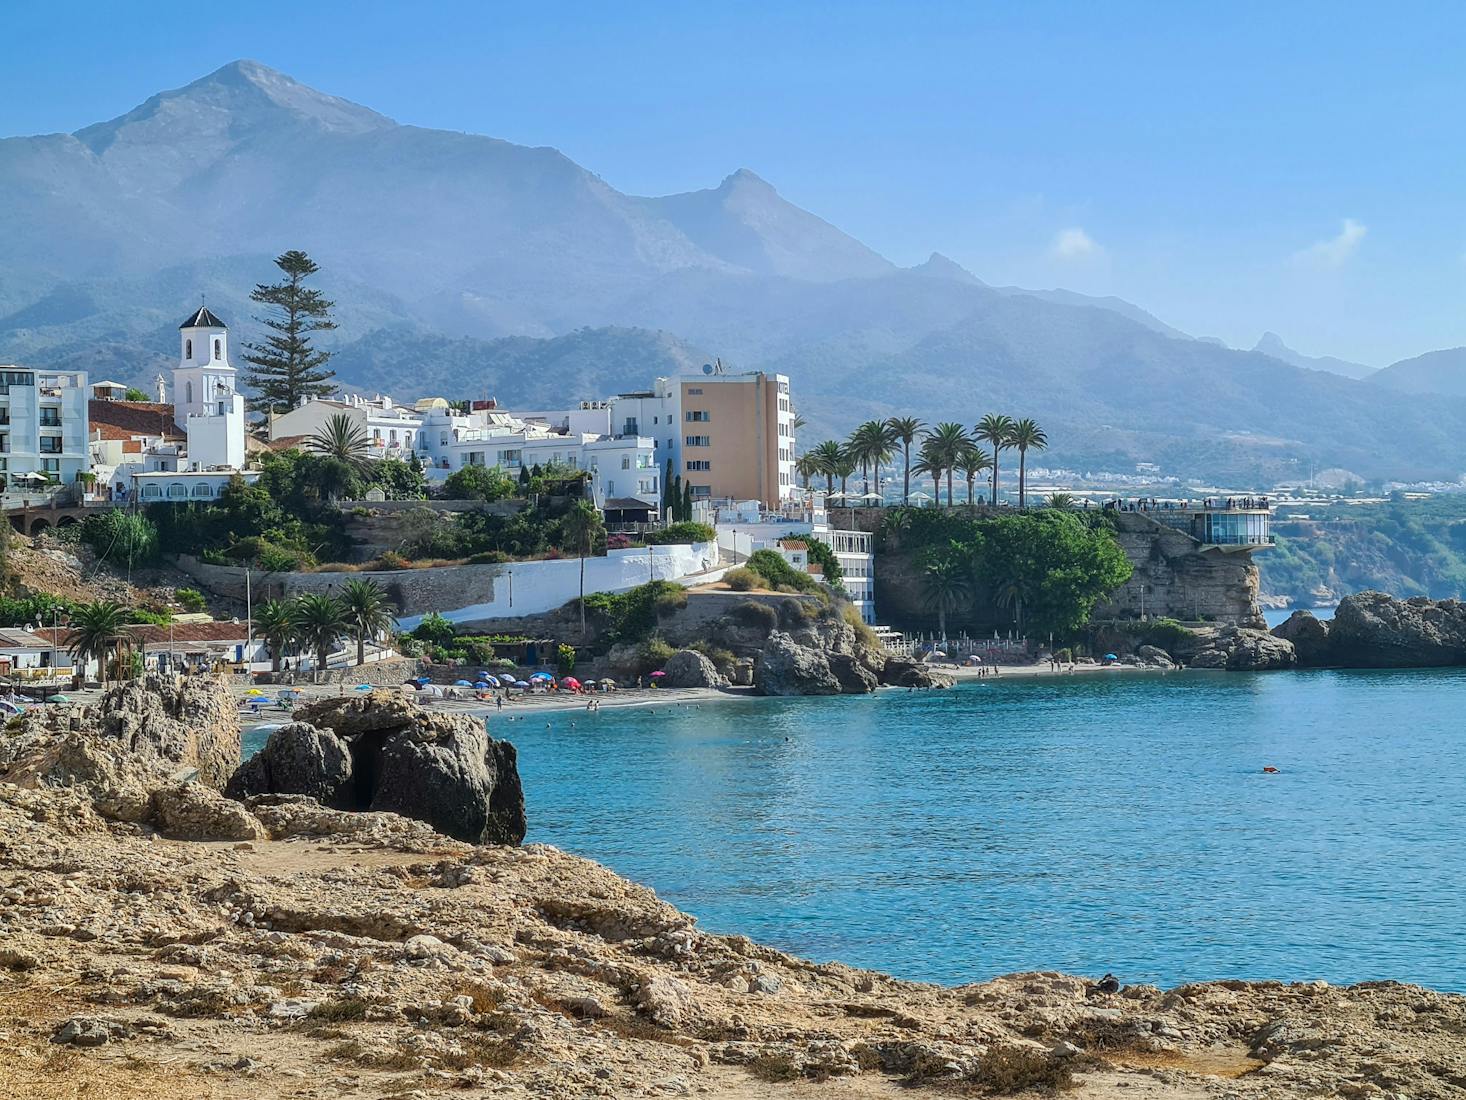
{"x": 687, "y": 668}
{"x": 1309, "y": 636}
{"x": 1241, "y": 649}
{"x": 298, "y": 759}
{"x": 852, "y": 674}
{"x": 192, "y": 811}
{"x": 1150, "y": 656}
{"x": 1373, "y": 630}
{"x": 787, "y": 668}
{"x": 908, "y": 672}
{"x": 382, "y": 752}
{"x": 142, "y": 735}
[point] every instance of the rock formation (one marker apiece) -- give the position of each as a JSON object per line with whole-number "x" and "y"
{"x": 908, "y": 672}
{"x": 785, "y": 667}
{"x": 382, "y": 752}
{"x": 116, "y": 754}
{"x": 1238, "y": 649}
{"x": 372, "y": 957}
{"x": 1373, "y": 630}
{"x": 687, "y": 668}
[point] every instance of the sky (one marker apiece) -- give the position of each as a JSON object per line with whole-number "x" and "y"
{"x": 1233, "y": 168}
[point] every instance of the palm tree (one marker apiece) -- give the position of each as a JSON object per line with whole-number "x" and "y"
{"x": 870, "y": 445}
{"x": 343, "y": 439}
{"x": 949, "y": 440}
{"x": 319, "y": 621}
{"x": 276, "y": 623}
{"x": 1010, "y": 594}
{"x": 1026, "y": 433}
{"x": 1062, "y": 502}
{"x": 945, "y": 584}
{"x": 99, "y": 632}
{"x": 972, "y": 461}
{"x": 903, "y": 431}
{"x": 368, "y": 613}
{"x": 827, "y": 456}
{"x": 580, "y": 525}
{"x": 996, "y": 429}
{"x": 844, "y": 468}
{"x": 929, "y": 464}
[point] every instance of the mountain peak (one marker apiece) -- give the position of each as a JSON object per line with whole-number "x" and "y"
{"x": 938, "y": 266}
{"x": 1270, "y": 343}
{"x": 228, "y": 102}
{"x": 746, "y": 178}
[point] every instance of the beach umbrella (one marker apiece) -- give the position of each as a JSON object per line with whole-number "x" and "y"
{"x": 254, "y": 691}
{"x": 656, "y": 675}
{"x": 57, "y": 699}
{"x": 541, "y": 676}
{"x": 362, "y": 687}
{"x": 521, "y": 684}
{"x": 483, "y": 674}
{"x": 482, "y": 685}
{"x": 1111, "y": 657}
{"x": 570, "y": 682}
{"x": 462, "y": 684}
{"x": 421, "y": 680}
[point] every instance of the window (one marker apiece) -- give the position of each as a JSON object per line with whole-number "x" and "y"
{"x": 189, "y": 390}
{"x": 702, "y": 490}
{"x": 610, "y": 488}
{"x": 223, "y": 408}
{"x": 442, "y": 439}
{"x": 694, "y": 391}
{"x": 698, "y": 441}
{"x": 51, "y": 465}
{"x": 630, "y": 427}
{"x": 203, "y": 489}
{"x": 700, "y": 465}
{"x": 50, "y": 418}
{"x": 177, "y": 491}
{"x": 626, "y": 462}
{"x": 698, "y": 416}
{"x": 218, "y": 349}
{"x": 392, "y": 437}
{"x": 50, "y": 444}
{"x": 646, "y": 485}
{"x": 188, "y": 349}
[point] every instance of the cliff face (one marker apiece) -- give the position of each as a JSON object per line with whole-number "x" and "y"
{"x": 1181, "y": 581}
{"x": 1373, "y": 630}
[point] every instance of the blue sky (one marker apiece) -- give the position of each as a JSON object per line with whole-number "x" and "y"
{"x": 1230, "y": 167}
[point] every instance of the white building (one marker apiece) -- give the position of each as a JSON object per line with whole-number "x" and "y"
{"x": 186, "y": 450}
{"x": 43, "y": 427}
{"x": 391, "y": 430}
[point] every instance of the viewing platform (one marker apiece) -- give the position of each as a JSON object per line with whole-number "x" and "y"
{"x": 1225, "y": 523}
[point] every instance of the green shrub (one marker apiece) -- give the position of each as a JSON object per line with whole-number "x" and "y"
{"x": 653, "y": 654}
{"x": 670, "y": 603}
{"x": 755, "y": 616}
{"x": 779, "y": 573}
{"x": 391, "y": 560}
{"x": 123, "y": 538}
{"x": 435, "y": 630}
{"x": 190, "y": 599}
{"x": 565, "y": 659}
{"x": 743, "y": 579}
{"x": 277, "y": 559}
{"x": 723, "y": 659}
{"x": 630, "y": 616}
{"x": 489, "y": 557}
{"x": 820, "y": 554}
{"x": 851, "y": 614}
{"x": 1064, "y": 656}
{"x": 148, "y": 617}
{"x": 680, "y": 533}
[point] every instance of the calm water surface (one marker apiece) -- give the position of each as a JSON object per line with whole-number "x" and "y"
{"x": 1112, "y": 823}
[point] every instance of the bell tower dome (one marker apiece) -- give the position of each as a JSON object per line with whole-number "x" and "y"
{"x": 203, "y": 340}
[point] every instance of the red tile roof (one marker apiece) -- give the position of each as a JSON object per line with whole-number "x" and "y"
{"x": 124, "y": 419}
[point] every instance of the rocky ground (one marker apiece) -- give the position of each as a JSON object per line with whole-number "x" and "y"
{"x": 313, "y": 952}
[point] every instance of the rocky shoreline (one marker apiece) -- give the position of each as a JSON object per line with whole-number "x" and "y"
{"x": 159, "y": 939}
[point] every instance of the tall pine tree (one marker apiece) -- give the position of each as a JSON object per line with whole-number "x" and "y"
{"x": 286, "y": 367}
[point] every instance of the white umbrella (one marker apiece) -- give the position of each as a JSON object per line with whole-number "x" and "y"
{"x": 920, "y": 496}
{"x": 872, "y": 495}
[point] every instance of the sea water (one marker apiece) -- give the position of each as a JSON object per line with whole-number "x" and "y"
{"x": 1111, "y": 822}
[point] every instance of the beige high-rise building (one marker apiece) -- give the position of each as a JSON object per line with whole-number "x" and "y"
{"x": 737, "y": 437}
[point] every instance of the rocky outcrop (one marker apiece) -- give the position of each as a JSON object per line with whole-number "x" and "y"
{"x": 142, "y": 735}
{"x": 372, "y": 957}
{"x": 1150, "y": 656}
{"x": 1309, "y": 636}
{"x": 687, "y": 668}
{"x": 1373, "y": 630}
{"x": 785, "y": 667}
{"x": 852, "y": 674}
{"x": 1238, "y": 649}
{"x": 908, "y": 672}
{"x": 383, "y": 753}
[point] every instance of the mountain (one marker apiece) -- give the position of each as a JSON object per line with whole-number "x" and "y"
{"x": 1434, "y": 372}
{"x": 1272, "y": 344}
{"x": 461, "y": 263}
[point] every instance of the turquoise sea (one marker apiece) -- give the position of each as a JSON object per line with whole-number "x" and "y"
{"x": 1118, "y": 822}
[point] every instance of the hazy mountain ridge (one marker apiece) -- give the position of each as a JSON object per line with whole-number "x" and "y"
{"x": 1272, "y": 344}
{"x": 1442, "y": 372}
{"x": 439, "y": 247}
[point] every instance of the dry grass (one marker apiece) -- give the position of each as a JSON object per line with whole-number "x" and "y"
{"x": 351, "y": 1008}
{"x": 1002, "y": 1071}
{"x": 774, "y": 1068}
{"x": 48, "y": 1073}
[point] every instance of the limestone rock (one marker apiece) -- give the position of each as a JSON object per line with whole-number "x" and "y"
{"x": 908, "y": 672}
{"x": 384, "y": 753}
{"x": 1373, "y": 630}
{"x": 1309, "y": 635}
{"x": 297, "y": 759}
{"x": 191, "y": 811}
{"x": 852, "y": 674}
{"x": 787, "y": 668}
{"x": 1150, "y": 656}
{"x": 1239, "y": 649}
{"x": 687, "y": 668}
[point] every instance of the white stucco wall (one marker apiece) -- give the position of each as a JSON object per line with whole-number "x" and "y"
{"x": 534, "y": 587}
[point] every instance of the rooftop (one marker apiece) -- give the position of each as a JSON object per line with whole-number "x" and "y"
{"x": 202, "y": 318}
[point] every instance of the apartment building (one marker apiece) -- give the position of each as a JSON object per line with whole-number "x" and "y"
{"x": 391, "y": 429}
{"x": 43, "y": 426}
{"x": 736, "y": 437}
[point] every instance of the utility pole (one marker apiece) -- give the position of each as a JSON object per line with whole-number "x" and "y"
{"x": 249, "y": 632}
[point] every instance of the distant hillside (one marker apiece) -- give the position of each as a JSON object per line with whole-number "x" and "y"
{"x": 439, "y": 246}
{"x": 1434, "y": 372}
{"x": 1272, "y": 344}
{"x": 521, "y": 370}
